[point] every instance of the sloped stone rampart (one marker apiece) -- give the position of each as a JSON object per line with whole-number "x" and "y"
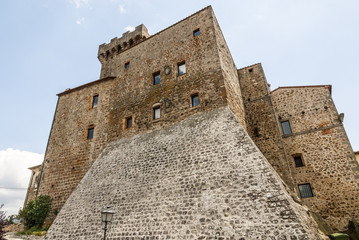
{"x": 202, "y": 178}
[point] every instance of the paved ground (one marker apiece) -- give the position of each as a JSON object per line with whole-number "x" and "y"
{"x": 13, "y": 236}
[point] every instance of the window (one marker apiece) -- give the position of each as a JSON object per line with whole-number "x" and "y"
{"x": 250, "y": 70}
{"x": 196, "y": 32}
{"x": 305, "y": 190}
{"x": 129, "y": 122}
{"x": 156, "y": 78}
{"x": 256, "y": 132}
{"x": 94, "y": 101}
{"x": 181, "y": 68}
{"x": 90, "y": 132}
{"x": 286, "y": 127}
{"x": 156, "y": 112}
{"x": 298, "y": 161}
{"x": 127, "y": 65}
{"x": 195, "y": 100}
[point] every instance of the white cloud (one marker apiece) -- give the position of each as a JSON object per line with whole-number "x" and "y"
{"x": 79, "y": 3}
{"x": 14, "y": 173}
{"x": 122, "y": 9}
{"x": 80, "y": 21}
{"x": 129, "y": 28}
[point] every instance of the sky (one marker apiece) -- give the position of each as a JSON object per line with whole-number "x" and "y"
{"x": 48, "y": 46}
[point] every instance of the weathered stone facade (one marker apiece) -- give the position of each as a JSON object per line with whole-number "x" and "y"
{"x": 33, "y": 183}
{"x": 130, "y": 92}
{"x": 317, "y": 140}
{"x": 262, "y": 121}
{"x": 117, "y": 113}
{"x": 202, "y": 178}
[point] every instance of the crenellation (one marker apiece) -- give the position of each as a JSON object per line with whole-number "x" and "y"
{"x": 126, "y": 41}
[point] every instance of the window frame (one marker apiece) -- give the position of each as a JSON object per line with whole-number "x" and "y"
{"x": 301, "y": 160}
{"x": 154, "y": 108}
{"x": 303, "y": 194}
{"x": 94, "y": 103}
{"x": 90, "y": 132}
{"x": 182, "y": 63}
{"x": 290, "y": 127}
{"x": 127, "y": 120}
{"x": 154, "y": 75}
{"x": 196, "y": 32}
{"x": 195, "y": 95}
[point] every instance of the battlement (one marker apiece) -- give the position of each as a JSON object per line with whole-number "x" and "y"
{"x": 126, "y": 41}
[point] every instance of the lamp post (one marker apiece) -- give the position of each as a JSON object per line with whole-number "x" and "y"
{"x": 106, "y": 215}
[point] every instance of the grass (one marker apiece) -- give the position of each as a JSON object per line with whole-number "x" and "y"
{"x": 33, "y": 231}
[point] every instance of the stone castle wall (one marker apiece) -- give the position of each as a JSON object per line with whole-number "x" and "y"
{"x": 130, "y": 93}
{"x": 229, "y": 71}
{"x": 33, "y": 184}
{"x": 70, "y": 154}
{"x": 202, "y": 178}
{"x": 318, "y": 136}
{"x": 126, "y": 90}
{"x": 262, "y": 123}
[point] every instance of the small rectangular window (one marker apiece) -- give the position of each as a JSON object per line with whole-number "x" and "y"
{"x": 94, "y": 101}
{"x": 127, "y": 65}
{"x": 256, "y": 132}
{"x": 156, "y": 78}
{"x": 298, "y": 161}
{"x": 156, "y": 113}
{"x": 195, "y": 100}
{"x": 181, "y": 68}
{"x": 90, "y": 132}
{"x": 196, "y": 32}
{"x": 305, "y": 190}
{"x": 129, "y": 122}
{"x": 286, "y": 127}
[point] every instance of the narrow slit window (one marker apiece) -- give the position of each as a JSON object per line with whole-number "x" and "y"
{"x": 181, "y": 68}
{"x": 94, "y": 101}
{"x": 196, "y": 32}
{"x": 127, "y": 65}
{"x": 156, "y": 78}
{"x": 156, "y": 113}
{"x": 256, "y": 132}
{"x": 90, "y": 133}
{"x": 195, "y": 100}
{"x": 298, "y": 161}
{"x": 305, "y": 190}
{"x": 286, "y": 127}
{"x": 129, "y": 122}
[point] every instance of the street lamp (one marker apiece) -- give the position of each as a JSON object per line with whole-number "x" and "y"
{"x": 106, "y": 215}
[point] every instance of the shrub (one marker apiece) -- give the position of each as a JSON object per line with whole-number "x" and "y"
{"x": 12, "y": 219}
{"x": 36, "y": 211}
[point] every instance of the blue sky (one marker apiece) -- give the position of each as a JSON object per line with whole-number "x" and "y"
{"x": 49, "y": 45}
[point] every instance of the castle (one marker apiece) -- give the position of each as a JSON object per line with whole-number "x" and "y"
{"x": 183, "y": 145}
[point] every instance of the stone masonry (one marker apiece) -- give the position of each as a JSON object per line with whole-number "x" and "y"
{"x": 119, "y": 109}
{"x": 318, "y": 138}
{"x": 130, "y": 93}
{"x": 202, "y": 178}
{"x": 33, "y": 183}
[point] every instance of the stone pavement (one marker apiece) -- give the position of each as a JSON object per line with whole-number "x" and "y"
{"x": 13, "y": 236}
